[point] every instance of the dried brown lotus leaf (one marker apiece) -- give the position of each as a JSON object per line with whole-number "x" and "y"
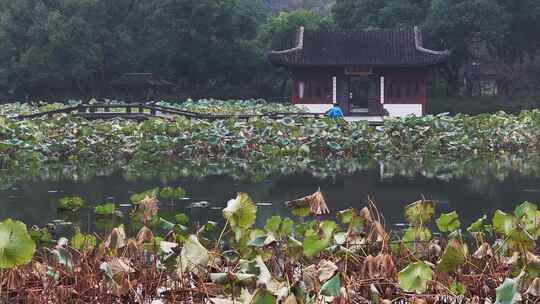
{"x": 327, "y": 269}
{"x": 534, "y": 288}
{"x": 483, "y": 251}
{"x": 316, "y": 203}
{"x": 145, "y": 235}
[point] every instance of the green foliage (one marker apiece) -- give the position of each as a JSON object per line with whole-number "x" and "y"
{"x": 415, "y": 277}
{"x": 454, "y": 256}
{"x": 105, "y": 209}
{"x": 420, "y": 212}
{"x": 332, "y": 287}
{"x": 72, "y": 204}
{"x": 479, "y": 226}
{"x": 181, "y": 219}
{"x": 83, "y": 241}
{"x": 507, "y": 293}
{"x": 241, "y": 211}
{"x": 448, "y": 222}
{"x": 16, "y": 246}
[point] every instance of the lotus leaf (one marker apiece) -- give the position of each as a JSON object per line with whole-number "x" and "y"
{"x": 415, "y": 277}
{"x": 420, "y": 212}
{"x": 241, "y": 211}
{"x": 448, "y": 222}
{"x": 16, "y": 246}
{"x": 193, "y": 257}
{"x": 507, "y": 293}
{"x": 454, "y": 256}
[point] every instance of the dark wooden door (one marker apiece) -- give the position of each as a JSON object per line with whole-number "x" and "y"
{"x": 359, "y": 93}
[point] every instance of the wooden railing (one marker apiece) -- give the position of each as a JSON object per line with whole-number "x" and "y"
{"x": 140, "y": 111}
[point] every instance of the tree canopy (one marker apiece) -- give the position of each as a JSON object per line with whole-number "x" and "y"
{"x": 74, "y": 48}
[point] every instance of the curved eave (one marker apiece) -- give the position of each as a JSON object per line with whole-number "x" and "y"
{"x": 279, "y": 60}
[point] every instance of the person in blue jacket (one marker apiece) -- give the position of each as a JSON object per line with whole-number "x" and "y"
{"x": 335, "y": 112}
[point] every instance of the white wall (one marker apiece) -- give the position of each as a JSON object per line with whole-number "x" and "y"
{"x": 315, "y": 108}
{"x": 402, "y": 110}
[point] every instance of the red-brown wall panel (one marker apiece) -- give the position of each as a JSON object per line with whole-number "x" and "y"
{"x": 317, "y": 85}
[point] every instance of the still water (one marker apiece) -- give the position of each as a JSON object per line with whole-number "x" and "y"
{"x": 35, "y": 202}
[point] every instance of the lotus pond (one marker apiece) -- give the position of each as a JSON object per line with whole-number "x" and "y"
{"x": 195, "y": 212}
{"x": 473, "y": 189}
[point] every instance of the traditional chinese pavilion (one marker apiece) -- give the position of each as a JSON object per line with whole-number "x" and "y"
{"x": 369, "y": 73}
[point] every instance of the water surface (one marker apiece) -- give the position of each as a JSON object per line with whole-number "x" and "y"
{"x": 35, "y": 202}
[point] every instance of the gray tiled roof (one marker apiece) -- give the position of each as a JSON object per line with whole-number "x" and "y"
{"x": 377, "y": 48}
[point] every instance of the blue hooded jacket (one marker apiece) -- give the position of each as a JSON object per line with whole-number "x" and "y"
{"x": 335, "y": 112}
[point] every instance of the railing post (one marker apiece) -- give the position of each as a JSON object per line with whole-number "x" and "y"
{"x": 141, "y": 109}
{"x": 128, "y": 109}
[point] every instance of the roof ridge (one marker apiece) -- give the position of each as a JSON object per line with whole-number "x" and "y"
{"x": 299, "y": 43}
{"x": 418, "y": 43}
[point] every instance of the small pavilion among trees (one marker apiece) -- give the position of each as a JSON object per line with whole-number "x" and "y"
{"x": 140, "y": 87}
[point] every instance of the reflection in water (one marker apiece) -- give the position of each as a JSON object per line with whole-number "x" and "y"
{"x": 35, "y": 201}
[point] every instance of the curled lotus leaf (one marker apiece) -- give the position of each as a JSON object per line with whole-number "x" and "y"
{"x": 193, "y": 257}
{"x": 241, "y": 212}
{"x": 454, "y": 256}
{"x": 315, "y": 203}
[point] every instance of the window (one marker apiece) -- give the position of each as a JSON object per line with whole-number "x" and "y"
{"x": 408, "y": 89}
{"x": 417, "y": 88}
{"x": 301, "y": 87}
{"x": 389, "y": 90}
{"x": 318, "y": 90}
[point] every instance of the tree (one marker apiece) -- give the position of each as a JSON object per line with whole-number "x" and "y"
{"x": 203, "y": 43}
{"x": 279, "y": 33}
{"x": 366, "y": 14}
{"x": 461, "y": 24}
{"x": 63, "y": 47}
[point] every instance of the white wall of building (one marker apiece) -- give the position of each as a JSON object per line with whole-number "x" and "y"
{"x": 402, "y": 110}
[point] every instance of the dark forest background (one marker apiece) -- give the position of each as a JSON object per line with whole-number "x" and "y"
{"x": 59, "y": 49}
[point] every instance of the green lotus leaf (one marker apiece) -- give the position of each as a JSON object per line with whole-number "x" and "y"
{"x": 313, "y": 245}
{"x": 416, "y": 234}
{"x": 273, "y": 224}
{"x": 70, "y": 203}
{"x": 454, "y": 256}
{"x": 332, "y": 287}
{"x": 458, "y": 289}
{"x": 504, "y": 223}
{"x": 181, "y": 219}
{"x": 105, "y": 209}
{"x": 531, "y": 222}
{"x": 16, "y": 246}
{"x": 241, "y": 212}
{"x": 507, "y": 293}
{"x": 415, "y": 277}
{"x": 479, "y": 226}
{"x": 420, "y": 212}
{"x": 448, "y": 222}
{"x": 524, "y": 209}
{"x": 83, "y": 241}
{"x": 263, "y": 296}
